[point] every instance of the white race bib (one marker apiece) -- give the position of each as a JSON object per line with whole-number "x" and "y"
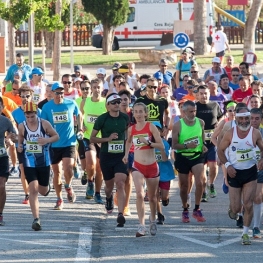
{"x": 193, "y": 139}
{"x": 33, "y": 147}
{"x": 243, "y": 156}
{"x": 137, "y": 142}
{"x": 60, "y": 117}
{"x": 2, "y": 151}
{"x": 116, "y": 146}
{"x": 208, "y": 134}
{"x": 91, "y": 118}
{"x": 35, "y": 98}
{"x": 158, "y": 157}
{"x": 258, "y": 155}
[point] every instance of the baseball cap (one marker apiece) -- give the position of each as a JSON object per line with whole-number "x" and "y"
{"x": 216, "y": 60}
{"x": 78, "y": 79}
{"x": 37, "y": 71}
{"x": 77, "y": 68}
{"x": 57, "y": 85}
{"x": 224, "y": 76}
{"x": 101, "y": 71}
{"x": 188, "y": 50}
{"x": 123, "y": 69}
{"x": 112, "y": 96}
{"x": 116, "y": 65}
{"x": 157, "y": 124}
{"x": 158, "y": 75}
{"x": 18, "y": 73}
{"x": 30, "y": 107}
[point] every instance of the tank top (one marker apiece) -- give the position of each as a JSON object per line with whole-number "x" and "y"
{"x": 242, "y": 152}
{"x": 257, "y": 150}
{"x": 39, "y": 91}
{"x": 144, "y": 132}
{"x": 35, "y": 155}
{"x": 189, "y": 134}
{"x": 229, "y": 95}
{"x": 216, "y": 75}
{"x": 72, "y": 95}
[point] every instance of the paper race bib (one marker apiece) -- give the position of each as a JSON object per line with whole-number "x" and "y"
{"x": 35, "y": 98}
{"x": 116, "y": 146}
{"x": 193, "y": 139}
{"x": 183, "y": 73}
{"x": 243, "y": 156}
{"x": 2, "y": 151}
{"x": 60, "y": 117}
{"x": 136, "y": 141}
{"x": 208, "y": 134}
{"x": 158, "y": 157}
{"x": 257, "y": 152}
{"x": 91, "y": 118}
{"x": 33, "y": 147}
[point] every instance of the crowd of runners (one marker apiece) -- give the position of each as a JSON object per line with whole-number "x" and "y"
{"x": 126, "y": 129}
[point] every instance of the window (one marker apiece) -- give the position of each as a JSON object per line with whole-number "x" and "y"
{"x": 131, "y": 15}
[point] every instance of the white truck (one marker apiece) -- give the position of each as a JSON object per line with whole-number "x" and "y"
{"x": 148, "y": 20}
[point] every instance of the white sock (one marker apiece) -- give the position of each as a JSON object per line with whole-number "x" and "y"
{"x": 240, "y": 214}
{"x": 245, "y": 229}
{"x": 257, "y": 214}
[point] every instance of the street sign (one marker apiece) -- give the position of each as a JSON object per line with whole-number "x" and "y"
{"x": 181, "y": 40}
{"x": 250, "y": 58}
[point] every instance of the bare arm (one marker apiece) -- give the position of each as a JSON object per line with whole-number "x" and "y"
{"x": 226, "y": 127}
{"x": 127, "y": 145}
{"x": 216, "y": 132}
{"x": 50, "y": 131}
{"x": 225, "y": 142}
{"x": 158, "y": 140}
{"x": 177, "y": 79}
{"x": 94, "y": 139}
{"x": 21, "y": 130}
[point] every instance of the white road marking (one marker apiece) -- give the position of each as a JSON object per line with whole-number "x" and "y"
{"x": 84, "y": 245}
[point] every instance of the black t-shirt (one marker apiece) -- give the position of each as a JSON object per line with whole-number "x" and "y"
{"x": 155, "y": 107}
{"x": 42, "y": 103}
{"x": 137, "y": 93}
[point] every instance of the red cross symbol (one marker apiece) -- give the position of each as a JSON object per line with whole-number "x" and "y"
{"x": 217, "y": 37}
{"x": 126, "y": 32}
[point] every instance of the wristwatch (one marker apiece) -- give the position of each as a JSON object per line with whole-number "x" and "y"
{"x": 227, "y": 164}
{"x": 185, "y": 146}
{"x": 149, "y": 143}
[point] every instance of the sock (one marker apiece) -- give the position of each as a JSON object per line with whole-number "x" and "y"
{"x": 120, "y": 214}
{"x": 97, "y": 193}
{"x": 196, "y": 207}
{"x": 240, "y": 214}
{"x": 257, "y": 214}
{"x": 245, "y": 230}
{"x": 186, "y": 209}
{"x": 67, "y": 185}
{"x": 90, "y": 181}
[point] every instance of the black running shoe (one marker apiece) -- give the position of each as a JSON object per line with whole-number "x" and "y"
{"x": 36, "y": 224}
{"x": 120, "y": 220}
{"x": 109, "y": 205}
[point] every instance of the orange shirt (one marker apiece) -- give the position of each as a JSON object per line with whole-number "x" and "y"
{"x": 15, "y": 98}
{"x": 188, "y": 97}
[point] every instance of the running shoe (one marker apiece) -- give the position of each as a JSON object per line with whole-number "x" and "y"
{"x": 240, "y": 221}
{"x": 256, "y": 232}
{"x": 26, "y": 200}
{"x": 146, "y": 198}
{"x": 13, "y": 171}
{"x": 141, "y": 231}
{"x": 115, "y": 198}
{"x": 185, "y": 217}
{"x": 76, "y": 171}
{"x": 245, "y": 240}
{"x": 160, "y": 219}
{"x": 71, "y": 195}
{"x": 90, "y": 190}
{"x": 84, "y": 178}
{"x": 2, "y": 222}
{"x": 59, "y": 205}
{"x": 36, "y": 224}
{"x": 212, "y": 191}
{"x": 109, "y": 205}
{"x": 153, "y": 228}
{"x": 225, "y": 187}
{"x": 197, "y": 214}
{"x": 98, "y": 199}
{"x": 120, "y": 220}
{"x": 126, "y": 211}
{"x": 204, "y": 198}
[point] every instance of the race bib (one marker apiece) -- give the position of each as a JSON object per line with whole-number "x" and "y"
{"x": 257, "y": 155}
{"x": 60, "y": 117}
{"x": 193, "y": 139}
{"x": 183, "y": 73}
{"x": 35, "y": 98}
{"x": 116, "y": 146}
{"x": 136, "y": 141}
{"x": 208, "y": 134}
{"x": 33, "y": 147}
{"x": 2, "y": 151}
{"x": 243, "y": 156}
{"x": 91, "y": 118}
{"x": 158, "y": 157}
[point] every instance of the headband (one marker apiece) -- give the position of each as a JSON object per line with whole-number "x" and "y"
{"x": 230, "y": 104}
{"x": 243, "y": 114}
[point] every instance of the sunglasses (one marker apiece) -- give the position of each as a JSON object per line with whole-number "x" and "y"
{"x": 152, "y": 87}
{"x": 115, "y": 102}
{"x": 59, "y": 93}
{"x": 163, "y": 66}
{"x": 66, "y": 82}
{"x": 190, "y": 87}
{"x": 25, "y": 96}
{"x": 235, "y": 75}
{"x": 230, "y": 110}
{"x": 84, "y": 89}
{"x": 194, "y": 71}
{"x": 37, "y": 74}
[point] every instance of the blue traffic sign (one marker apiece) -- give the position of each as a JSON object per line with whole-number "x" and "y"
{"x": 181, "y": 40}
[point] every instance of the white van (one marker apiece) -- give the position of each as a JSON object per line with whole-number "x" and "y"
{"x": 147, "y": 20}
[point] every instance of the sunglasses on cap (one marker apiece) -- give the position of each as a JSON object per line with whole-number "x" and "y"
{"x": 115, "y": 102}
{"x": 66, "y": 82}
{"x": 152, "y": 87}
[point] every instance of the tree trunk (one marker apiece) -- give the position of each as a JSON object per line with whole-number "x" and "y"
{"x": 200, "y": 42}
{"x": 57, "y": 46}
{"x": 108, "y": 36}
{"x": 250, "y": 26}
{"x": 11, "y": 43}
{"x": 49, "y": 44}
{"x": 43, "y": 51}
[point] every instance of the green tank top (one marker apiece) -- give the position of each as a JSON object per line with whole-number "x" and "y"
{"x": 189, "y": 134}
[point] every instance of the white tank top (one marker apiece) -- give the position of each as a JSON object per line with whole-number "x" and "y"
{"x": 39, "y": 91}
{"x": 229, "y": 95}
{"x": 242, "y": 151}
{"x": 257, "y": 150}
{"x": 216, "y": 75}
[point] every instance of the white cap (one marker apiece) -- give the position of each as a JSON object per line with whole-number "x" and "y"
{"x": 78, "y": 79}
{"x": 113, "y": 96}
{"x": 101, "y": 71}
{"x": 216, "y": 60}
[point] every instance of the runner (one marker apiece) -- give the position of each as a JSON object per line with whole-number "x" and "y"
{"x": 144, "y": 167}
{"x": 91, "y": 108}
{"x": 237, "y": 152}
{"x": 34, "y": 139}
{"x": 5, "y": 126}
{"x": 188, "y": 141}
{"x": 59, "y": 112}
{"x": 113, "y": 125}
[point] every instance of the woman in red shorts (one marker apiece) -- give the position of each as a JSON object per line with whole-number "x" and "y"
{"x": 145, "y": 137}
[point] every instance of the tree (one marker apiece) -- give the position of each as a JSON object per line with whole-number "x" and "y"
{"x": 111, "y": 13}
{"x": 250, "y": 26}
{"x": 200, "y": 27}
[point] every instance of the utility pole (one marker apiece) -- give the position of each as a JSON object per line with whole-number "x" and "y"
{"x": 180, "y": 9}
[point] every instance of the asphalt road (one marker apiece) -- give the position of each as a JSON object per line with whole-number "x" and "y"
{"x": 83, "y": 232}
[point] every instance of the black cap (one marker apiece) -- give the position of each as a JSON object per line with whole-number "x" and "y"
{"x": 224, "y": 76}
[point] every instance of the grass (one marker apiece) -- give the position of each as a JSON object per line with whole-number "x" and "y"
{"x": 124, "y": 56}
